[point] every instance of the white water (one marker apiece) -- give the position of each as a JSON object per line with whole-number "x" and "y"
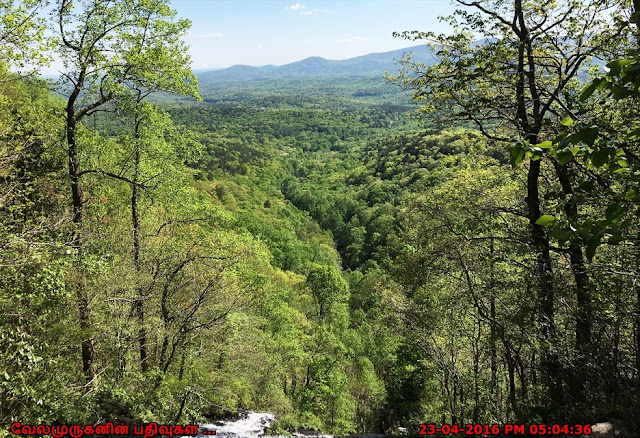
{"x": 251, "y": 426}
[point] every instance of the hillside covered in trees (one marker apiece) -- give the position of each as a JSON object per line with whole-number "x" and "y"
{"x": 456, "y": 242}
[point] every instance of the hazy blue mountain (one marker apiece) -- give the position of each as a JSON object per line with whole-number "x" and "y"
{"x": 374, "y": 64}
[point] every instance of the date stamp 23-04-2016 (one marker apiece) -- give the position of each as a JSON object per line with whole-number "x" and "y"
{"x": 506, "y": 429}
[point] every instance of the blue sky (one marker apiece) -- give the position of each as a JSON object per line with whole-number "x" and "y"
{"x": 259, "y": 32}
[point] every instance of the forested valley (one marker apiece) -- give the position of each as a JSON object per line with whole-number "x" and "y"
{"x": 455, "y": 241}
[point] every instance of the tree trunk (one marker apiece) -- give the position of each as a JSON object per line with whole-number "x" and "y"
{"x": 164, "y": 310}
{"x": 84, "y": 311}
{"x": 576, "y": 258}
{"x": 584, "y": 316}
{"x": 526, "y": 69}
{"x": 493, "y": 334}
{"x": 476, "y": 372}
{"x": 135, "y": 221}
{"x": 549, "y": 358}
{"x": 511, "y": 370}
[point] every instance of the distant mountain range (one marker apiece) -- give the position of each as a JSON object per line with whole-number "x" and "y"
{"x": 362, "y": 66}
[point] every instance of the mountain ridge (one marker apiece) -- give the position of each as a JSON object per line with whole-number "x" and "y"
{"x": 371, "y": 64}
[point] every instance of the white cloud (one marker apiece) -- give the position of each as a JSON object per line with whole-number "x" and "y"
{"x": 314, "y": 11}
{"x": 295, "y": 7}
{"x": 212, "y": 35}
{"x": 354, "y": 39}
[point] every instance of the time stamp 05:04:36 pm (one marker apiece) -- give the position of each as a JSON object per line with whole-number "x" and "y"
{"x": 505, "y": 429}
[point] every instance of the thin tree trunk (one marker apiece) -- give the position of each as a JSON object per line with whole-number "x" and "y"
{"x": 135, "y": 221}
{"x": 584, "y": 314}
{"x": 576, "y": 258}
{"x": 493, "y": 333}
{"x": 549, "y": 358}
{"x": 526, "y": 69}
{"x": 164, "y": 310}
{"x": 182, "y": 404}
{"x": 476, "y": 371}
{"x": 183, "y": 361}
{"x": 522, "y": 372}
{"x": 511, "y": 370}
{"x": 84, "y": 311}
{"x": 636, "y": 19}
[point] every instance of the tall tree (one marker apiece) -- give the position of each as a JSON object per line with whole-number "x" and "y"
{"x": 167, "y": 68}
{"x": 154, "y": 152}
{"x": 521, "y": 74}
{"x": 606, "y": 140}
{"x": 107, "y": 45}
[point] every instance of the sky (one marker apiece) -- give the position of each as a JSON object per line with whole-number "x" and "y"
{"x": 260, "y": 32}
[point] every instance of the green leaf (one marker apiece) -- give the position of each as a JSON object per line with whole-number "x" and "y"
{"x": 564, "y": 156}
{"x": 575, "y": 138}
{"x": 614, "y": 212}
{"x": 587, "y": 186}
{"x": 545, "y": 219}
{"x": 615, "y": 67}
{"x": 620, "y": 92}
{"x": 545, "y": 145}
{"x": 562, "y": 236}
{"x": 535, "y": 153}
{"x": 592, "y": 246}
{"x": 516, "y": 155}
{"x": 630, "y": 194}
{"x": 589, "y": 134}
{"x": 626, "y": 78}
{"x": 589, "y": 89}
{"x": 633, "y": 133}
{"x": 615, "y": 238}
{"x": 599, "y": 157}
{"x": 564, "y": 142}
{"x": 567, "y": 121}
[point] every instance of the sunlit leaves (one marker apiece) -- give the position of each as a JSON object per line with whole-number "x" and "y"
{"x": 109, "y": 46}
{"x": 567, "y": 121}
{"x": 517, "y": 154}
{"x": 603, "y": 152}
{"x": 22, "y": 40}
{"x": 545, "y": 219}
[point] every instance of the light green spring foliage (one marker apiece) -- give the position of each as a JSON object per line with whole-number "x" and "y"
{"x": 328, "y": 260}
{"x": 22, "y": 42}
{"x": 32, "y": 266}
{"x": 478, "y": 82}
{"x": 524, "y": 82}
{"x": 605, "y": 148}
{"x": 112, "y": 46}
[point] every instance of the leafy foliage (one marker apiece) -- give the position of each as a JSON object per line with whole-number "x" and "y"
{"x": 306, "y": 246}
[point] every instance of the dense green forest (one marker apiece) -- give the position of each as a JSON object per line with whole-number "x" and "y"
{"x": 457, "y": 242}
